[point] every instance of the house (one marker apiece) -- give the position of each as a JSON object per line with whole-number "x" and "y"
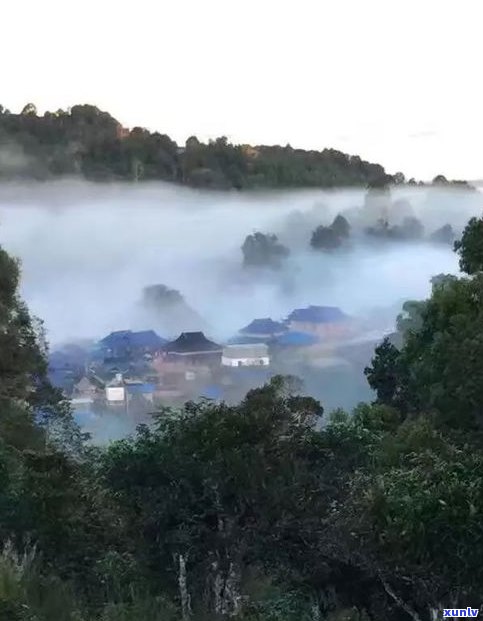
{"x": 193, "y": 348}
{"x": 296, "y": 339}
{"x": 321, "y": 321}
{"x": 84, "y": 389}
{"x": 262, "y": 330}
{"x": 65, "y": 368}
{"x": 140, "y": 389}
{"x": 115, "y": 391}
{"x": 248, "y": 355}
{"x": 125, "y": 345}
{"x": 115, "y": 395}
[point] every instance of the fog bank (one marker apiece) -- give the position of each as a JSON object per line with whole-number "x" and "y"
{"x": 87, "y": 252}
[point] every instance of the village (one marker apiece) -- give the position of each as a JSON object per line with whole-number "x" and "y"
{"x": 133, "y": 374}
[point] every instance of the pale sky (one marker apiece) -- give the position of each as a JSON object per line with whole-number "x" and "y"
{"x": 398, "y": 82}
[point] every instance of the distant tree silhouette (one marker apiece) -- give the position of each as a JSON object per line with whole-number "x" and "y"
{"x": 263, "y": 250}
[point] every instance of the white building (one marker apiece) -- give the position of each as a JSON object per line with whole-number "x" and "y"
{"x": 115, "y": 394}
{"x": 115, "y": 391}
{"x": 251, "y": 355}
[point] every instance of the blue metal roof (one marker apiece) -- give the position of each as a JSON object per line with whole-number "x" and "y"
{"x": 140, "y": 389}
{"x": 263, "y": 326}
{"x": 127, "y": 338}
{"x": 147, "y": 338}
{"x": 114, "y": 339}
{"x": 296, "y": 339}
{"x": 317, "y": 314}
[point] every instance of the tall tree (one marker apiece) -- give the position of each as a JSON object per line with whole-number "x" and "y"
{"x": 263, "y": 250}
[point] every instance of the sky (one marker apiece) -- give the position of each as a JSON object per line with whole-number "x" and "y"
{"x": 397, "y": 82}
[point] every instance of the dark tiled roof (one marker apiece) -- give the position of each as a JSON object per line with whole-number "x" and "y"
{"x": 317, "y": 314}
{"x": 192, "y": 342}
{"x": 263, "y": 326}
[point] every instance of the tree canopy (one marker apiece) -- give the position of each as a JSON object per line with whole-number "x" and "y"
{"x": 331, "y": 237}
{"x": 263, "y": 250}
{"x": 87, "y": 141}
{"x": 265, "y": 510}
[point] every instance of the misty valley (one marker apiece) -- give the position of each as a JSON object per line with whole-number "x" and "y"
{"x": 255, "y": 405}
{"x": 118, "y": 273}
{"x": 241, "y": 311}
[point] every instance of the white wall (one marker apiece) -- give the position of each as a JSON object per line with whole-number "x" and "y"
{"x": 245, "y": 362}
{"x": 115, "y": 393}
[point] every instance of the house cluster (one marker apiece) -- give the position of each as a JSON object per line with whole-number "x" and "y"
{"x": 132, "y": 370}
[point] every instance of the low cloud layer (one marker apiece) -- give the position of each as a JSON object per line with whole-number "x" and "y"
{"x": 88, "y": 251}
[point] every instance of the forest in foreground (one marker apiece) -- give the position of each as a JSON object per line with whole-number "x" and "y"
{"x": 254, "y": 511}
{"x": 85, "y": 141}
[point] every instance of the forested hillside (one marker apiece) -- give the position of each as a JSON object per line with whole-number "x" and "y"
{"x": 252, "y": 511}
{"x": 86, "y": 141}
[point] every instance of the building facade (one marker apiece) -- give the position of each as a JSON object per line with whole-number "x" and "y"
{"x": 249, "y": 355}
{"x": 327, "y": 322}
{"x": 193, "y": 348}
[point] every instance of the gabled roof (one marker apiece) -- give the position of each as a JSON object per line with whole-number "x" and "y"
{"x": 115, "y": 339}
{"x": 263, "y": 326}
{"x": 192, "y": 343}
{"x": 147, "y": 338}
{"x": 127, "y": 338}
{"x": 317, "y": 314}
{"x": 84, "y": 384}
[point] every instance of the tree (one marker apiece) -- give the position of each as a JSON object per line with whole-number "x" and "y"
{"x": 411, "y": 319}
{"x": 382, "y": 229}
{"x": 440, "y": 180}
{"x": 410, "y": 229}
{"x": 88, "y": 141}
{"x": 263, "y": 250}
{"x": 29, "y": 110}
{"x": 470, "y": 247}
{"x": 438, "y": 366}
{"x": 341, "y": 227}
{"x": 188, "y": 479}
{"x": 416, "y": 477}
{"x": 168, "y": 311}
{"x": 331, "y": 237}
{"x": 443, "y": 235}
{"x": 388, "y": 376}
{"x": 325, "y": 238}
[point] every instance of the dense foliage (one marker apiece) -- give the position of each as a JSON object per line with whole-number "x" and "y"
{"x": 254, "y": 511}
{"x": 263, "y": 250}
{"x": 331, "y": 237}
{"x": 86, "y": 141}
